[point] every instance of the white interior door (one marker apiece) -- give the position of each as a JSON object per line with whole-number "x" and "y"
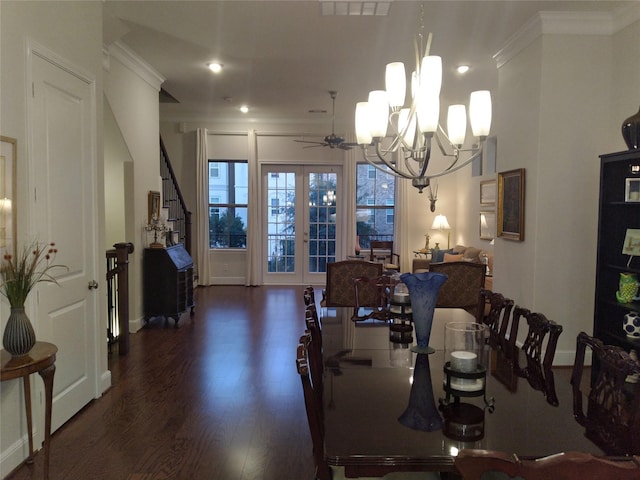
{"x": 63, "y": 169}
{"x": 301, "y": 218}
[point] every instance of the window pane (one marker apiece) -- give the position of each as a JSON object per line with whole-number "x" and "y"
{"x": 375, "y": 202}
{"x": 281, "y": 191}
{"x": 228, "y": 196}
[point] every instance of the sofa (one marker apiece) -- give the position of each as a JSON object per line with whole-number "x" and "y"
{"x": 457, "y": 254}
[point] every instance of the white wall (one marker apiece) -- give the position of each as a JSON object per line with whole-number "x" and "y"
{"x": 73, "y": 30}
{"x": 131, "y": 87}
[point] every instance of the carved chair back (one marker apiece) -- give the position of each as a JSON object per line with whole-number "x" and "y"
{"x": 537, "y": 370}
{"x": 340, "y": 291}
{"x": 480, "y": 464}
{"x": 612, "y": 417}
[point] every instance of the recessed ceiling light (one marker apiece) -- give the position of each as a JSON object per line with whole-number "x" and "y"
{"x": 215, "y": 67}
{"x": 244, "y": 109}
{"x": 463, "y": 69}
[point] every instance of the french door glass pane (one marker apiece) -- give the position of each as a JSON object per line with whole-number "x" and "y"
{"x": 322, "y": 220}
{"x": 281, "y": 216}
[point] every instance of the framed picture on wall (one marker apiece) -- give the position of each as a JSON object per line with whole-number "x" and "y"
{"x": 154, "y": 206}
{"x": 487, "y": 193}
{"x": 511, "y": 204}
{"x": 487, "y": 225}
{"x": 8, "y": 220}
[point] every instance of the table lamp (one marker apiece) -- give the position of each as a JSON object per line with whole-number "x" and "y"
{"x": 440, "y": 223}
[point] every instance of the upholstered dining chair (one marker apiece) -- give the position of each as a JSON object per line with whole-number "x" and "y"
{"x": 537, "y": 369}
{"x": 376, "y": 293}
{"x": 382, "y": 252}
{"x": 463, "y": 285}
{"x": 489, "y": 465}
{"x": 340, "y": 290}
{"x": 612, "y": 416}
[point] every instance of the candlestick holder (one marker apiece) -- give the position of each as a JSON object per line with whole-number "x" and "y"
{"x": 158, "y": 228}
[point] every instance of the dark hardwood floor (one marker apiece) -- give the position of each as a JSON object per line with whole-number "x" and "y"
{"x": 216, "y": 399}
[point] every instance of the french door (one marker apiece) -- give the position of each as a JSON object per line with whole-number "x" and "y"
{"x": 301, "y": 212}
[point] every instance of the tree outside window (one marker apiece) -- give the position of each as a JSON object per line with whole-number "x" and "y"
{"x": 375, "y": 204}
{"x": 228, "y": 195}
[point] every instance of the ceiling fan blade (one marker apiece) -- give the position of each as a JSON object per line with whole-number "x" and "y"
{"x": 318, "y": 145}
{"x": 309, "y": 141}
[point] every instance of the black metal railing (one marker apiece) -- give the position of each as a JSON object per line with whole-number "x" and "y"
{"x": 172, "y": 199}
{"x": 118, "y": 296}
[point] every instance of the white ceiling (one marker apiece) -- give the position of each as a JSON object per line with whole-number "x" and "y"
{"x": 282, "y": 57}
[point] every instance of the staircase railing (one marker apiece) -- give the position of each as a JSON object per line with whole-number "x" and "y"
{"x": 118, "y": 296}
{"x": 172, "y": 199}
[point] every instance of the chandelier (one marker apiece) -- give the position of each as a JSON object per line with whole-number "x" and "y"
{"x": 413, "y": 128}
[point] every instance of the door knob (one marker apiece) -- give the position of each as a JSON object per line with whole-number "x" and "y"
{"x": 93, "y": 284}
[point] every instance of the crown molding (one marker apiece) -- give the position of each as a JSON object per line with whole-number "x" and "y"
{"x": 566, "y": 23}
{"x": 136, "y": 64}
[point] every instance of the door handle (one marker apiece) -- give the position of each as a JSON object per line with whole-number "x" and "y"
{"x": 93, "y": 284}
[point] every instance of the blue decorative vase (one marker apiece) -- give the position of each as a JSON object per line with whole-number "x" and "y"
{"x": 423, "y": 293}
{"x": 422, "y": 412}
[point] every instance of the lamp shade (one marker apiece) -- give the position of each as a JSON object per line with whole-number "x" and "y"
{"x": 480, "y": 112}
{"x": 431, "y": 75}
{"x": 396, "y": 84}
{"x": 408, "y": 123}
{"x": 378, "y": 113}
{"x": 457, "y": 124}
{"x": 440, "y": 223}
{"x": 428, "y": 108}
{"x": 363, "y": 131}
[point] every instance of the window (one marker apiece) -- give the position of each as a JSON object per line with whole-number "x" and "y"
{"x": 375, "y": 204}
{"x": 228, "y": 198}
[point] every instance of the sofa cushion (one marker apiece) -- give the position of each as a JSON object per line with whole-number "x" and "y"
{"x": 438, "y": 257}
{"x": 452, "y": 257}
{"x": 472, "y": 254}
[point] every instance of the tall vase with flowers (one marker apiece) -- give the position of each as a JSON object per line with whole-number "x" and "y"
{"x": 20, "y": 274}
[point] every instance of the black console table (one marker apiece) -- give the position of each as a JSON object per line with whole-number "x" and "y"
{"x": 167, "y": 282}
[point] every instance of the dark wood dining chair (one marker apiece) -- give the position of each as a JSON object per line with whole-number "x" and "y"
{"x": 538, "y": 367}
{"x": 382, "y": 252}
{"x": 488, "y": 464}
{"x": 612, "y": 416}
{"x": 312, "y": 392}
{"x": 463, "y": 285}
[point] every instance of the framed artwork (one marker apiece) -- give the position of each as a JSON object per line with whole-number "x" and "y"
{"x": 632, "y": 190}
{"x": 154, "y": 206}
{"x": 487, "y": 225}
{"x": 511, "y": 204}
{"x": 8, "y": 220}
{"x": 631, "y": 244}
{"x": 488, "y": 192}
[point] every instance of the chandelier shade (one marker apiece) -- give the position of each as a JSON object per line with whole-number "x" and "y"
{"x": 407, "y": 151}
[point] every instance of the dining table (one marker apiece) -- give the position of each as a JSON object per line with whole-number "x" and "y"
{"x": 386, "y": 408}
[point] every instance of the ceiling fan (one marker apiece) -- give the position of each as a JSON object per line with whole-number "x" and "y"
{"x": 331, "y": 140}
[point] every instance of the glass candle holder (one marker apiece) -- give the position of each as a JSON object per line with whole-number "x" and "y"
{"x": 465, "y": 355}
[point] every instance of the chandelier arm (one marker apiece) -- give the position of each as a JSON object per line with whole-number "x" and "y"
{"x": 389, "y": 165}
{"x": 452, "y": 169}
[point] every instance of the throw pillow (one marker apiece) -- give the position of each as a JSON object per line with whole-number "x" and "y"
{"x": 439, "y": 256}
{"x": 450, "y": 257}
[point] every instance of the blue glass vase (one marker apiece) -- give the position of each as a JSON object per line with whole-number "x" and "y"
{"x": 422, "y": 412}
{"x": 423, "y": 293}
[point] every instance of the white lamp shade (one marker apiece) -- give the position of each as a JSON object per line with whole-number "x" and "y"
{"x": 363, "y": 131}
{"x": 457, "y": 124}
{"x": 396, "y": 84}
{"x": 440, "y": 223}
{"x": 431, "y": 75}
{"x": 480, "y": 113}
{"x": 428, "y": 108}
{"x": 378, "y": 113}
{"x": 403, "y": 120}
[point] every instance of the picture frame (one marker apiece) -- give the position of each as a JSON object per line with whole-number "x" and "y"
{"x": 8, "y": 217}
{"x": 511, "y": 186}
{"x": 487, "y": 222}
{"x": 631, "y": 245}
{"x": 487, "y": 193}
{"x": 154, "y": 206}
{"x": 632, "y": 190}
